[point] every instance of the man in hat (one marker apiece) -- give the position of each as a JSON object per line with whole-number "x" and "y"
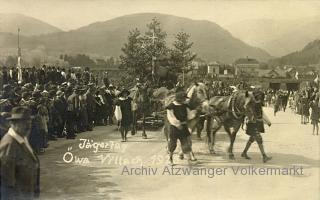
{"x": 83, "y": 115}
{"x": 19, "y": 164}
{"x": 178, "y": 114}
{"x": 110, "y": 96}
{"x": 255, "y": 127}
{"x": 124, "y": 102}
{"x": 91, "y": 105}
{"x": 73, "y": 108}
{"x": 60, "y": 106}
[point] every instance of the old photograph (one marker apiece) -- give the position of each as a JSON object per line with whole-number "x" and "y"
{"x": 159, "y": 99}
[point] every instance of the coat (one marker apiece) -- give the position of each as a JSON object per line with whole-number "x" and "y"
{"x": 19, "y": 170}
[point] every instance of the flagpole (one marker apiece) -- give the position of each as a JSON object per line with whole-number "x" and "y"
{"x": 19, "y": 59}
{"x": 19, "y": 50}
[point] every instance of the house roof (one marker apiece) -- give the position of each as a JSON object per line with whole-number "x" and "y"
{"x": 246, "y": 61}
{"x": 271, "y": 73}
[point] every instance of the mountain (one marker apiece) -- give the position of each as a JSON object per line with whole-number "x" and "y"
{"x": 309, "y": 55}
{"x": 278, "y": 37}
{"x": 211, "y": 42}
{"x": 29, "y": 26}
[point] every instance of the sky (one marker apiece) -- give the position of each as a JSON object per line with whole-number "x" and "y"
{"x": 72, "y": 14}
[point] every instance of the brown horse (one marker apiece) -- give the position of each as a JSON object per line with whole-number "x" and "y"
{"x": 229, "y": 112}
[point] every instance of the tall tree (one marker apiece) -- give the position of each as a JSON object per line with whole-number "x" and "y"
{"x": 141, "y": 52}
{"x": 133, "y": 58}
{"x": 181, "y": 56}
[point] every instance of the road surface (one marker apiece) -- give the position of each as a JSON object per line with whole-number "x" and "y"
{"x": 98, "y": 166}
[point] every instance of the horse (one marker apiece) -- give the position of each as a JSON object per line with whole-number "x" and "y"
{"x": 141, "y": 107}
{"x": 197, "y": 98}
{"x": 229, "y": 112}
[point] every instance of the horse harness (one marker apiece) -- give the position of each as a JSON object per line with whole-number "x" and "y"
{"x": 231, "y": 104}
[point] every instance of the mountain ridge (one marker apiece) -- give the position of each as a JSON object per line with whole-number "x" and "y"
{"x": 29, "y": 26}
{"x": 211, "y": 41}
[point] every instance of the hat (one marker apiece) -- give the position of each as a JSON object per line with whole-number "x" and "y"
{"x": 64, "y": 84}
{"x": 28, "y": 85}
{"x": 6, "y": 87}
{"x": 90, "y": 84}
{"x": 60, "y": 93}
{"x": 2, "y": 101}
{"x": 180, "y": 94}
{"x": 111, "y": 86}
{"x": 36, "y": 94}
{"x": 25, "y": 94}
{"x": 52, "y": 93}
{"x": 19, "y": 113}
{"x": 124, "y": 91}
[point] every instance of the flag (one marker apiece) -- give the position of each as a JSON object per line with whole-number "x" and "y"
{"x": 19, "y": 70}
{"x": 316, "y": 80}
{"x": 296, "y": 76}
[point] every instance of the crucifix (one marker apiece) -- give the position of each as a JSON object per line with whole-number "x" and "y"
{"x": 153, "y": 38}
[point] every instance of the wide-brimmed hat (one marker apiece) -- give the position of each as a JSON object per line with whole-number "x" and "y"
{"x": 20, "y": 113}
{"x": 59, "y": 93}
{"x": 180, "y": 95}
{"x": 6, "y": 87}
{"x": 36, "y": 94}
{"x": 124, "y": 91}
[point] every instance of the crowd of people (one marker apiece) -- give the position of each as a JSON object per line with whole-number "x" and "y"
{"x": 38, "y": 105}
{"x": 304, "y": 102}
{"x": 63, "y": 103}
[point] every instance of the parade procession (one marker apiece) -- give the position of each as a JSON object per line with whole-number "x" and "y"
{"x": 171, "y": 106}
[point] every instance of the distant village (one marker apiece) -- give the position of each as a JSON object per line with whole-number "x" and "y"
{"x": 258, "y": 73}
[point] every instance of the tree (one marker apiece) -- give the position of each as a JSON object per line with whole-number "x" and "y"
{"x": 155, "y": 42}
{"x": 132, "y": 58}
{"x": 141, "y": 51}
{"x": 181, "y": 56}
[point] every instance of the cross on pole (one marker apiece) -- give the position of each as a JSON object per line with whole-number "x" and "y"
{"x": 153, "y": 38}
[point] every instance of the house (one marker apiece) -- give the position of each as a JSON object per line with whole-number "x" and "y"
{"x": 245, "y": 65}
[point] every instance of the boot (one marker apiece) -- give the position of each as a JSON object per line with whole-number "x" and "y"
{"x": 171, "y": 159}
{"x": 192, "y": 157}
{"x": 122, "y": 135}
{"x": 265, "y": 157}
{"x": 144, "y": 135}
{"x": 190, "y": 160}
{"x": 125, "y": 136}
{"x": 244, "y": 153}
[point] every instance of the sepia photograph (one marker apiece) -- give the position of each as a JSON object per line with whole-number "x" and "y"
{"x": 159, "y": 99}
